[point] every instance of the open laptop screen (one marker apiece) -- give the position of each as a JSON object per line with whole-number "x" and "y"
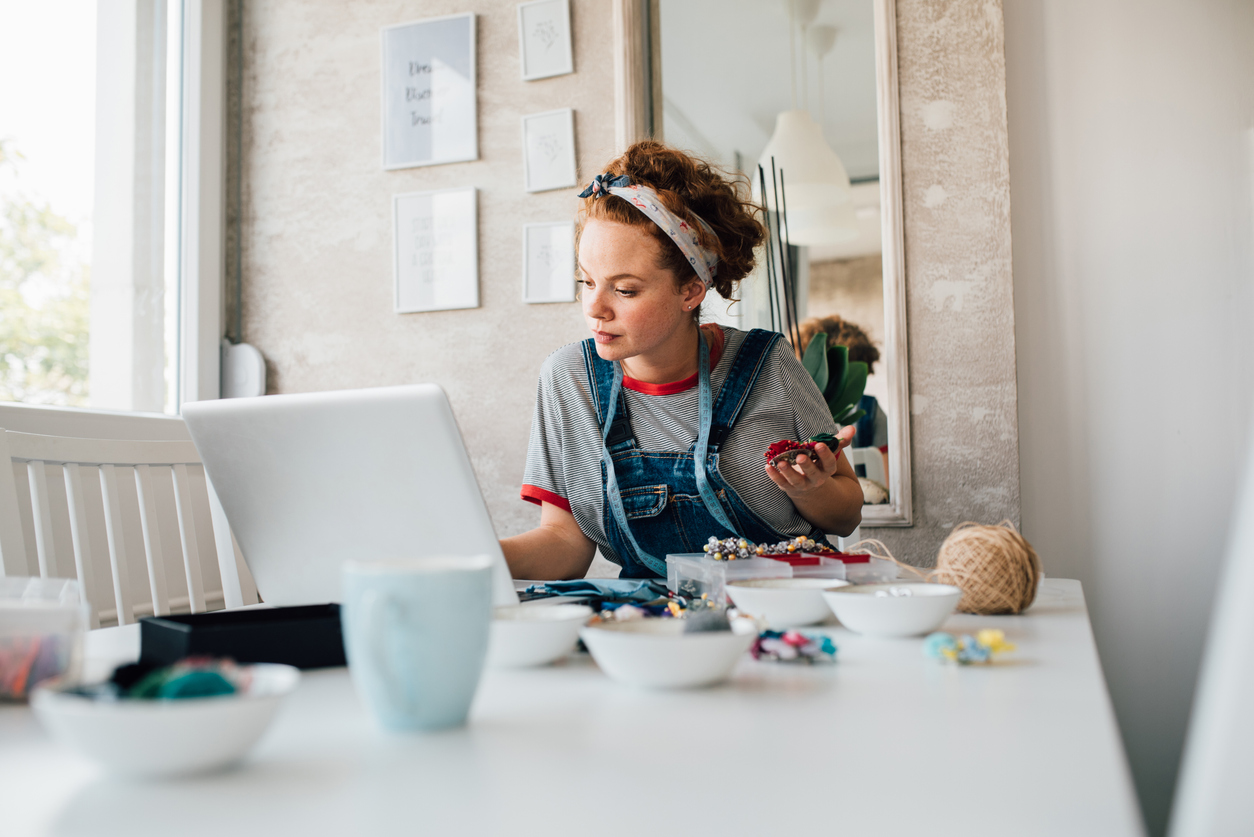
{"x": 313, "y": 479}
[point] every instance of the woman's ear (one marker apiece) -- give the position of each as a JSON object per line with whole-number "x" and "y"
{"x": 694, "y": 294}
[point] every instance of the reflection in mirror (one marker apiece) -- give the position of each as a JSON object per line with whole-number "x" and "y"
{"x": 800, "y": 81}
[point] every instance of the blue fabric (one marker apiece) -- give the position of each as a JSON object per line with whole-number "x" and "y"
{"x": 864, "y": 429}
{"x": 600, "y": 185}
{"x": 610, "y": 589}
{"x": 661, "y": 502}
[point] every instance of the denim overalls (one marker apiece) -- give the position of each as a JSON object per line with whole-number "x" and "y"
{"x": 660, "y": 502}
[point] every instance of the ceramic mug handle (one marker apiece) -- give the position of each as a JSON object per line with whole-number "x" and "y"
{"x": 379, "y": 612}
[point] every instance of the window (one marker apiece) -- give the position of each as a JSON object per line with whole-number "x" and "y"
{"x": 110, "y": 202}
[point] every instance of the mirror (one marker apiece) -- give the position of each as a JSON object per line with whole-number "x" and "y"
{"x": 723, "y": 79}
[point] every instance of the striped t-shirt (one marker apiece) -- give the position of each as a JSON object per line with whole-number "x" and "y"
{"x": 564, "y": 452}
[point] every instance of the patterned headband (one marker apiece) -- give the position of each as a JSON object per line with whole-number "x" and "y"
{"x": 702, "y": 259}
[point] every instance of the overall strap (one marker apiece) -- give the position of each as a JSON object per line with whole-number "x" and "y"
{"x": 601, "y": 383}
{"x": 732, "y": 396}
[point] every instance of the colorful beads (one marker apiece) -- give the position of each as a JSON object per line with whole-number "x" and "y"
{"x": 966, "y": 649}
{"x": 731, "y": 549}
{"x": 793, "y": 647}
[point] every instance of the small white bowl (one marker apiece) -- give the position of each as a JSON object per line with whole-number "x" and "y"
{"x": 784, "y": 602}
{"x": 152, "y": 738}
{"x": 534, "y": 635}
{"x": 893, "y": 609}
{"x": 657, "y": 654}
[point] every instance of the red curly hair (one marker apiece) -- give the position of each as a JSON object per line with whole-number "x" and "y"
{"x": 687, "y": 186}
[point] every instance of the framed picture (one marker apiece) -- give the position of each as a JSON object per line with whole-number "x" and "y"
{"x": 549, "y": 262}
{"x": 435, "y": 260}
{"x": 549, "y": 150}
{"x": 544, "y": 39}
{"x": 429, "y": 113}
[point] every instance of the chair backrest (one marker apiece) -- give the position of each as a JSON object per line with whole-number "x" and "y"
{"x": 872, "y": 460}
{"x": 84, "y": 423}
{"x": 136, "y": 522}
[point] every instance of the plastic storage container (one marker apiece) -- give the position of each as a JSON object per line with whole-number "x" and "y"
{"x": 692, "y": 574}
{"x": 42, "y": 621}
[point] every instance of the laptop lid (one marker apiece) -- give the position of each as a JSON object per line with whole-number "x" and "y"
{"x": 310, "y": 480}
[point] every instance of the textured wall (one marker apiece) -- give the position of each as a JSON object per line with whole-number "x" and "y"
{"x": 316, "y": 234}
{"x": 316, "y": 237}
{"x": 960, "y": 300}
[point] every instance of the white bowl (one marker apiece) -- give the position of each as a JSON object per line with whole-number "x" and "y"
{"x": 784, "y": 602}
{"x": 152, "y": 738}
{"x": 894, "y": 608}
{"x": 533, "y": 635}
{"x": 656, "y": 653}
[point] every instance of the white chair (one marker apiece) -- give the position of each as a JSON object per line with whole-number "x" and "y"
{"x": 872, "y": 459}
{"x": 135, "y": 521}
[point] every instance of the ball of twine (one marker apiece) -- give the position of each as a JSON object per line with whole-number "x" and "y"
{"x": 997, "y": 569}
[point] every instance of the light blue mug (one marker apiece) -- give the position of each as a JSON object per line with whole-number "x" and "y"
{"x": 416, "y": 634}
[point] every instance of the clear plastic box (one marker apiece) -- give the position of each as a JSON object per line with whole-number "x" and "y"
{"x": 42, "y": 622}
{"x": 692, "y": 574}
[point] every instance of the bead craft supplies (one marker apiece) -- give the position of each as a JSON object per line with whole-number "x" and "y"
{"x": 195, "y": 677}
{"x": 786, "y": 450}
{"x": 793, "y": 647}
{"x": 997, "y": 569}
{"x": 728, "y": 549}
{"x": 966, "y": 649}
{"x": 26, "y": 660}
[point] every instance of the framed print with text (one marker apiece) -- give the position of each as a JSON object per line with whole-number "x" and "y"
{"x": 429, "y": 112}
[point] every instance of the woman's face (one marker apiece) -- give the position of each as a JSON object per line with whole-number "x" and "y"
{"x": 632, "y": 305}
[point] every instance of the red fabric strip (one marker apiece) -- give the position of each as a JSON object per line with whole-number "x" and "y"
{"x": 537, "y": 495}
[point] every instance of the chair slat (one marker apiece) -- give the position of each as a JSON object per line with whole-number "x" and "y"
{"x": 247, "y": 585}
{"x": 21, "y": 482}
{"x": 12, "y": 538}
{"x": 115, "y": 532}
{"x": 187, "y": 535}
{"x": 154, "y": 551}
{"x": 45, "y": 543}
{"x": 79, "y": 533}
{"x": 198, "y": 483}
{"x": 225, "y": 546}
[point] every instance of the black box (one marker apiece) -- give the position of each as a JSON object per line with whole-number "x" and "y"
{"x": 306, "y": 637}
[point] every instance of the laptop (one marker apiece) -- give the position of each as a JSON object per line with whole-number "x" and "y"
{"x": 311, "y": 480}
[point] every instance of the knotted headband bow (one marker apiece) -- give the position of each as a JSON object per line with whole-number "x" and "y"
{"x": 703, "y": 260}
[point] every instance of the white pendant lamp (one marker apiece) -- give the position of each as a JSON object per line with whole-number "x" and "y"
{"x": 814, "y": 177}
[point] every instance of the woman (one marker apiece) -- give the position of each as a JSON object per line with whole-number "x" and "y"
{"x": 648, "y": 438}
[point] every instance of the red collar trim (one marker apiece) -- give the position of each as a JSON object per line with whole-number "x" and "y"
{"x": 717, "y": 342}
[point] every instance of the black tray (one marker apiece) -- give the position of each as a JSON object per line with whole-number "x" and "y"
{"x": 306, "y": 637}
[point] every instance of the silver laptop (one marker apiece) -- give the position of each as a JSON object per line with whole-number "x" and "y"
{"x": 310, "y": 480}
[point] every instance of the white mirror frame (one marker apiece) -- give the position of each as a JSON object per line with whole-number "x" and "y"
{"x": 636, "y": 82}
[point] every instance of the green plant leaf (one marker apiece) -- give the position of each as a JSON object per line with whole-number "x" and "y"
{"x": 837, "y": 368}
{"x": 850, "y": 393}
{"x": 815, "y": 360}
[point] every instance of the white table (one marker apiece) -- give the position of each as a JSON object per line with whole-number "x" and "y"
{"x": 882, "y": 742}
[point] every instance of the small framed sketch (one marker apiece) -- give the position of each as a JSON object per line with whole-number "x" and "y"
{"x": 429, "y": 112}
{"x": 549, "y": 262}
{"x": 549, "y": 150}
{"x": 435, "y": 260}
{"x": 544, "y": 39}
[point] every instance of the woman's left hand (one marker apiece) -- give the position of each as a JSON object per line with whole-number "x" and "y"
{"x": 808, "y": 474}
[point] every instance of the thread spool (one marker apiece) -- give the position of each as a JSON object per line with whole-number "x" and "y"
{"x": 997, "y": 569}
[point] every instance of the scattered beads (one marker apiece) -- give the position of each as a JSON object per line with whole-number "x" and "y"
{"x": 793, "y": 647}
{"x": 730, "y": 549}
{"x": 966, "y": 649}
